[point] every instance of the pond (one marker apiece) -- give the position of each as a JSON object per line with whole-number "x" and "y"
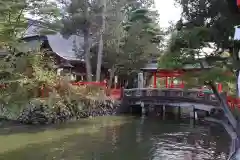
{"x": 115, "y": 138}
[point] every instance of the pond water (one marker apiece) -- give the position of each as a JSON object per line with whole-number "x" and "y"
{"x": 115, "y": 138}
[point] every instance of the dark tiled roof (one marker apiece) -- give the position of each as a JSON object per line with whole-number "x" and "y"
{"x": 70, "y": 48}
{"x": 150, "y": 66}
{"x": 154, "y": 66}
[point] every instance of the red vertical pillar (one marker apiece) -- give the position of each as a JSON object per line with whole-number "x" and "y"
{"x": 182, "y": 84}
{"x": 171, "y": 82}
{"x": 166, "y": 82}
{"x": 238, "y": 3}
{"x": 219, "y": 86}
{"x": 159, "y": 76}
{"x": 155, "y": 80}
{"x": 42, "y": 91}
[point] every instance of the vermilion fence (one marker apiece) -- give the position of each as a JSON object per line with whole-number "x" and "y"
{"x": 116, "y": 93}
{"x": 99, "y": 84}
{"x": 233, "y": 102}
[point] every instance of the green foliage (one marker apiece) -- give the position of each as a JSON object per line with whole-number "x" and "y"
{"x": 16, "y": 70}
{"x": 131, "y": 40}
{"x": 13, "y": 22}
{"x": 206, "y": 24}
{"x": 11, "y": 13}
{"x": 170, "y": 61}
{"x": 131, "y": 36}
{"x": 147, "y": 20}
{"x": 185, "y": 48}
{"x": 25, "y": 76}
{"x": 77, "y": 19}
{"x": 24, "y": 72}
{"x": 218, "y": 19}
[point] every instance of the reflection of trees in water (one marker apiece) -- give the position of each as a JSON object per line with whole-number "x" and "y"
{"x": 209, "y": 143}
{"x": 199, "y": 142}
{"x": 127, "y": 145}
{"x": 156, "y": 139}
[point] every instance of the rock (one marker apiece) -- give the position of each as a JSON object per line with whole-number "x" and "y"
{"x": 38, "y": 113}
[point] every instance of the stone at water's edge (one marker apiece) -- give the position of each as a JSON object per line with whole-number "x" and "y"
{"x": 43, "y": 114}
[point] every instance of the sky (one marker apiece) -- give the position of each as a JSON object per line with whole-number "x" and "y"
{"x": 168, "y": 12}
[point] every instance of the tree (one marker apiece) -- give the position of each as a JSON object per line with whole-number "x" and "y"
{"x": 205, "y": 28}
{"x": 100, "y": 45}
{"x": 81, "y": 18}
{"x": 131, "y": 41}
{"x": 13, "y": 22}
{"x": 23, "y": 72}
{"x": 112, "y": 18}
{"x": 206, "y": 24}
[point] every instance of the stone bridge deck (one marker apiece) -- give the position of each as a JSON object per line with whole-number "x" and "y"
{"x": 173, "y": 97}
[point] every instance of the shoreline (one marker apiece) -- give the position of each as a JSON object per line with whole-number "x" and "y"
{"x": 45, "y": 115}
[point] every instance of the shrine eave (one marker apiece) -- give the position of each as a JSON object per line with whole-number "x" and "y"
{"x": 152, "y": 70}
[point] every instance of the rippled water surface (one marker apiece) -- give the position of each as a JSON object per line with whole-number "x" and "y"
{"x": 115, "y": 138}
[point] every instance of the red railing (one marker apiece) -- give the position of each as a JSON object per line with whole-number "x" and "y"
{"x": 116, "y": 93}
{"x": 233, "y": 102}
{"x": 99, "y": 84}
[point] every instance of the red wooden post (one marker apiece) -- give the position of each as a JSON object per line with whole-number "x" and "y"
{"x": 172, "y": 82}
{"x": 238, "y": 3}
{"x": 182, "y": 84}
{"x": 42, "y": 91}
{"x": 166, "y": 82}
{"x": 173, "y": 85}
{"x": 219, "y": 86}
{"x": 159, "y": 75}
{"x": 154, "y": 80}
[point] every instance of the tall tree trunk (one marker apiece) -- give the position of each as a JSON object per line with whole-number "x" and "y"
{"x": 86, "y": 34}
{"x": 100, "y": 45}
{"x": 112, "y": 72}
{"x": 87, "y": 55}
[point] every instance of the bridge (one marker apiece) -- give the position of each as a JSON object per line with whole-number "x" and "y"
{"x": 183, "y": 97}
{"x": 175, "y": 97}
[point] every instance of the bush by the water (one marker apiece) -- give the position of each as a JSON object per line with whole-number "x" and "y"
{"x": 39, "y": 112}
{"x": 65, "y": 103}
{"x": 35, "y": 94}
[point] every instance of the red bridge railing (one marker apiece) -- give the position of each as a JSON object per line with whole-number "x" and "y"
{"x": 116, "y": 93}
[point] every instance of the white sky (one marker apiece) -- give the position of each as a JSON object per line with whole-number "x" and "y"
{"x": 168, "y": 12}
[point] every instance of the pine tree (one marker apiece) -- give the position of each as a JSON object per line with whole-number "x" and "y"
{"x": 133, "y": 38}
{"x": 208, "y": 24}
{"x": 82, "y": 19}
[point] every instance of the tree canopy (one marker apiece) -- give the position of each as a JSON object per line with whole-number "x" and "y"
{"x": 131, "y": 35}
{"x": 203, "y": 32}
{"x": 136, "y": 44}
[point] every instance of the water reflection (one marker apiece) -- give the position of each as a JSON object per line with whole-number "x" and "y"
{"x": 117, "y": 139}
